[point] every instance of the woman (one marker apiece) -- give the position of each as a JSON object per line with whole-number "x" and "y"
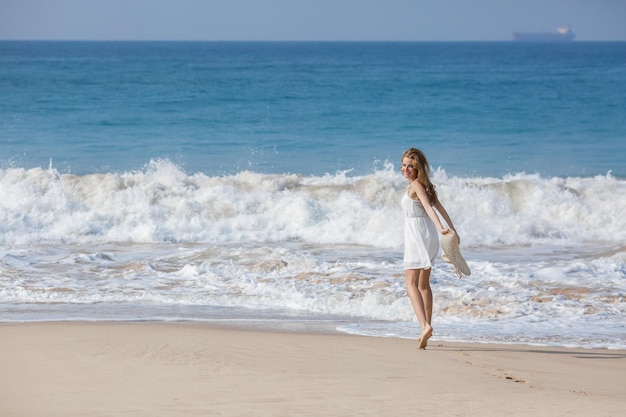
{"x": 421, "y": 238}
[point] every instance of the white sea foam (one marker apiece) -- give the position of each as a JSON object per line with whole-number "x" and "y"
{"x": 163, "y": 204}
{"x": 547, "y": 255}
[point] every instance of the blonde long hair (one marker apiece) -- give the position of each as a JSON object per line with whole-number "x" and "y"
{"x": 420, "y": 163}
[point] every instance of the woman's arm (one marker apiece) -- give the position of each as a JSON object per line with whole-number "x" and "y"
{"x": 419, "y": 190}
{"x": 446, "y": 217}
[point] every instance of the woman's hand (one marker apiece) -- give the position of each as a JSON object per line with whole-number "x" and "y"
{"x": 446, "y": 231}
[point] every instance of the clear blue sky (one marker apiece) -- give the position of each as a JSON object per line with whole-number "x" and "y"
{"x": 420, "y": 20}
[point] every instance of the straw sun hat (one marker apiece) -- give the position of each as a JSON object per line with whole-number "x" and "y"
{"x": 452, "y": 254}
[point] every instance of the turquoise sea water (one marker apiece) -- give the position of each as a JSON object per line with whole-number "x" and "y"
{"x": 478, "y": 109}
{"x": 260, "y": 181}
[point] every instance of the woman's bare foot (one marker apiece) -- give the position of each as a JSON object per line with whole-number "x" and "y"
{"x": 423, "y": 339}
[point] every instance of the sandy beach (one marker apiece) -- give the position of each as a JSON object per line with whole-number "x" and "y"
{"x": 179, "y": 369}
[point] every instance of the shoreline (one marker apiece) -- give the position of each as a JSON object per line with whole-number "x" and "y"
{"x": 172, "y": 369}
{"x": 313, "y": 326}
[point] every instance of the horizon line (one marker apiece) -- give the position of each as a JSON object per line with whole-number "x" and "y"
{"x": 297, "y": 40}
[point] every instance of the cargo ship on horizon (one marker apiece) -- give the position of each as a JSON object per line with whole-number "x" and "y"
{"x": 561, "y": 35}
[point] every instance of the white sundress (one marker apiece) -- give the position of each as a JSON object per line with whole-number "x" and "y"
{"x": 421, "y": 239}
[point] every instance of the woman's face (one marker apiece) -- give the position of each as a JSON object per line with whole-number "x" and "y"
{"x": 408, "y": 170}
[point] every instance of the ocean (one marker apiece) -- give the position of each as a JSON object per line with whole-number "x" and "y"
{"x": 258, "y": 184}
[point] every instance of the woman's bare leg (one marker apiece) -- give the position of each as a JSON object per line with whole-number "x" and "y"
{"x": 427, "y": 299}
{"x": 418, "y": 290}
{"x": 426, "y": 293}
